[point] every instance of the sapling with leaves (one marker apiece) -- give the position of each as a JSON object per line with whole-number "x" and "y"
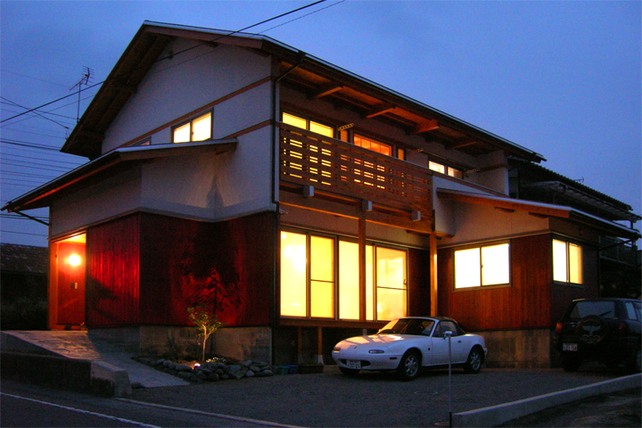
{"x": 205, "y": 322}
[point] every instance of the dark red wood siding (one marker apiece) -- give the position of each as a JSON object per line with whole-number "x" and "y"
{"x": 525, "y": 304}
{"x": 228, "y": 266}
{"x": 113, "y": 273}
{"x": 419, "y": 282}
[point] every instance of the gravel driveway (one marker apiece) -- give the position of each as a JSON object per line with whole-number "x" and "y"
{"x": 370, "y": 399}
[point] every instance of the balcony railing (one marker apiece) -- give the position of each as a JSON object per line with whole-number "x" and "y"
{"x": 340, "y": 168}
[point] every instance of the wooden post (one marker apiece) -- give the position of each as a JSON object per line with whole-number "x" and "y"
{"x": 299, "y": 345}
{"x": 362, "y": 268}
{"x": 434, "y": 303}
{"x": 320, "y": 345}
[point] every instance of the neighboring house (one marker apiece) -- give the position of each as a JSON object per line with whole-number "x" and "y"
{"x": 304, "y": 203}
{"x": 24, "y": 270}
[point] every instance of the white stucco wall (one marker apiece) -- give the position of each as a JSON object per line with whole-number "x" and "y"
{"x": 208, "y": 186}
{"x": 177, "y": 86}
{"x": 117, "y": 195}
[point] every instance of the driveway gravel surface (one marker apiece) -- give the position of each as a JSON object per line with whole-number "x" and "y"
{"x": 331, "y": 399}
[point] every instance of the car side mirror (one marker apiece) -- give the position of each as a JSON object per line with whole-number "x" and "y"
{"x": 447, "y": 334}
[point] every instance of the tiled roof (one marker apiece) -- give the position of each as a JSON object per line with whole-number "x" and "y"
{"x": 24, "y": 259}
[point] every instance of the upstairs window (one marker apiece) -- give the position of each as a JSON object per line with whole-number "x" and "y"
{"x": 482, "y": 266}
{"x": 310, "y": 125}
{"x": 443, "y": 169}
{"x": 567, "y": 262}
{"x": 375, "y": 146}
{"x": 197, "y": 129}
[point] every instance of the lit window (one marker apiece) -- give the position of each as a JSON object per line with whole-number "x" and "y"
{"x": 197, "y": 129}
{"x": 293, "y": 274}
{"x": 321, "y": 277}
{"x": 309, "y": 125}
{"x": 482, "y": 266}
{"x": 454, "y": 172}
{"x": 348, "y": 280}
{"x": 375, "y": 146}
{"x": 308, "y": 286}
{"x": 434, "y": 166}
{"x": 567, "y": 262}
{"x": 391, "y": 283}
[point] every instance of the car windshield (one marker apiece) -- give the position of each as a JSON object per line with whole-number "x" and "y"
{"x": 605, "y": 309}
{"x": 408, "y": 326}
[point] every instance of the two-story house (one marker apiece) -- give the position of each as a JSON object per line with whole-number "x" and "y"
{"x": 303, "y": 203}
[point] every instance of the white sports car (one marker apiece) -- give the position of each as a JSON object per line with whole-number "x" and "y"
{"x": 407, "y": 344}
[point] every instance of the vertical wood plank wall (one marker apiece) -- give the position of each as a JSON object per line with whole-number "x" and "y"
{"x": 113, "y": 273}
{"x": 525, "y": 304}
{"x": 229, "y": 265}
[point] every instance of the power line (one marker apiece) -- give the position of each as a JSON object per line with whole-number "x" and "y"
{"x": 27, "y": 144}
{"x": 172, "y": 56}
{"x": 51, "y": 102}
{"x": 43, "y": 159}
{"x": 24, "y": 233}
{"x": 34, "y": 78}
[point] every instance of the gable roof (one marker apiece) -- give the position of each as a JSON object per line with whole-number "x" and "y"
{"x": 318, "y": 78}
{"x": 109, "y": 164}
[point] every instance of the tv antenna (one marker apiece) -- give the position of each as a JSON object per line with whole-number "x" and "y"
{"x": 87, "y": 76}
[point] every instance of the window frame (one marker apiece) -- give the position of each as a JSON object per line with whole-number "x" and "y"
{"x": 336, "y": 277}
{"x": 191, "y": 121}
{"x": 568, "y": 259}
{"x": 481, "y": 286}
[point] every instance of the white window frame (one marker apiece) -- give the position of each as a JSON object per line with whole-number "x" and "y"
{"x": 567, "y": 270}
{"x": 190, "y": 122}
{"x": 479, "y": 283}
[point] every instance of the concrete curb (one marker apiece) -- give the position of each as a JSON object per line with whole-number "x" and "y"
{"x": 115, "y": 380}
{"x": 497, "y": 415}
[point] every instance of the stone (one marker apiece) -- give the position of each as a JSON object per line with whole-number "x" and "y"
{"x": 182, "y": 368}
{"x": 225, "y": 376}
{"x": 234, "y": 369}
{"x": 255, "y": 368}
{"x": 247, "y": 363}
{"x": 202, "y": 375}
{"x": 249, "y": 373}
{"x": 264, "y": 373}
{"x": 158, "y": 362}
{"x": 172, "y": 366}
{"x": 166, "y": 363}
{"x": 238, "y": 375}
{"x": 145, "y": 360}
{"x": 186, "y": 375}
{"x": 213, "y": 377}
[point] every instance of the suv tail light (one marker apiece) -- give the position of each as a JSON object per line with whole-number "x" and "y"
{"x": 558, "y": 328}
{"x": 622, "y": 328}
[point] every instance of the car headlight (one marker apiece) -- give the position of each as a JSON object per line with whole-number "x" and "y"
{"x": 376, "y": 351}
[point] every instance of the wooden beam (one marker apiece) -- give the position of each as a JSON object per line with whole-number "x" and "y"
{"x": 427, "y": 126}
{"x": 326, "y": 90}
{"x": 462, "y": 144}
{"x": 379, "y": 109}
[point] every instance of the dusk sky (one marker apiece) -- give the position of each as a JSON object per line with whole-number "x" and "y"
{"x": 560, "y": 78}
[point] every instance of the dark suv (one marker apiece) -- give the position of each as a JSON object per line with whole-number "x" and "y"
{"x": 603, "y": 330}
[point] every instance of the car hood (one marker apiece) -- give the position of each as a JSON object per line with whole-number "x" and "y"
{"x": 376, "y": 341}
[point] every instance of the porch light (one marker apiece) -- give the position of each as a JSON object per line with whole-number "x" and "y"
{"x": 74, "y": 260}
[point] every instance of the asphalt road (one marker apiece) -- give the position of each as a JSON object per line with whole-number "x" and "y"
{"x": 24, "y": 405}
{"x": 323, "y": 400}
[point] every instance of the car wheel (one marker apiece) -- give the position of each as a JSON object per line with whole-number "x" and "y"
{"x": 570, "y": 363}
{"x": 409, "y": 366}
{"x": 634, "y": 364}
{"x": 474, "y": 362}
{"x": 593, "y": 330}
{"x": 349, "y": 372}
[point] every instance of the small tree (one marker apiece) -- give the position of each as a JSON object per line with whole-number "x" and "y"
{"x": 206, "y": 323}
